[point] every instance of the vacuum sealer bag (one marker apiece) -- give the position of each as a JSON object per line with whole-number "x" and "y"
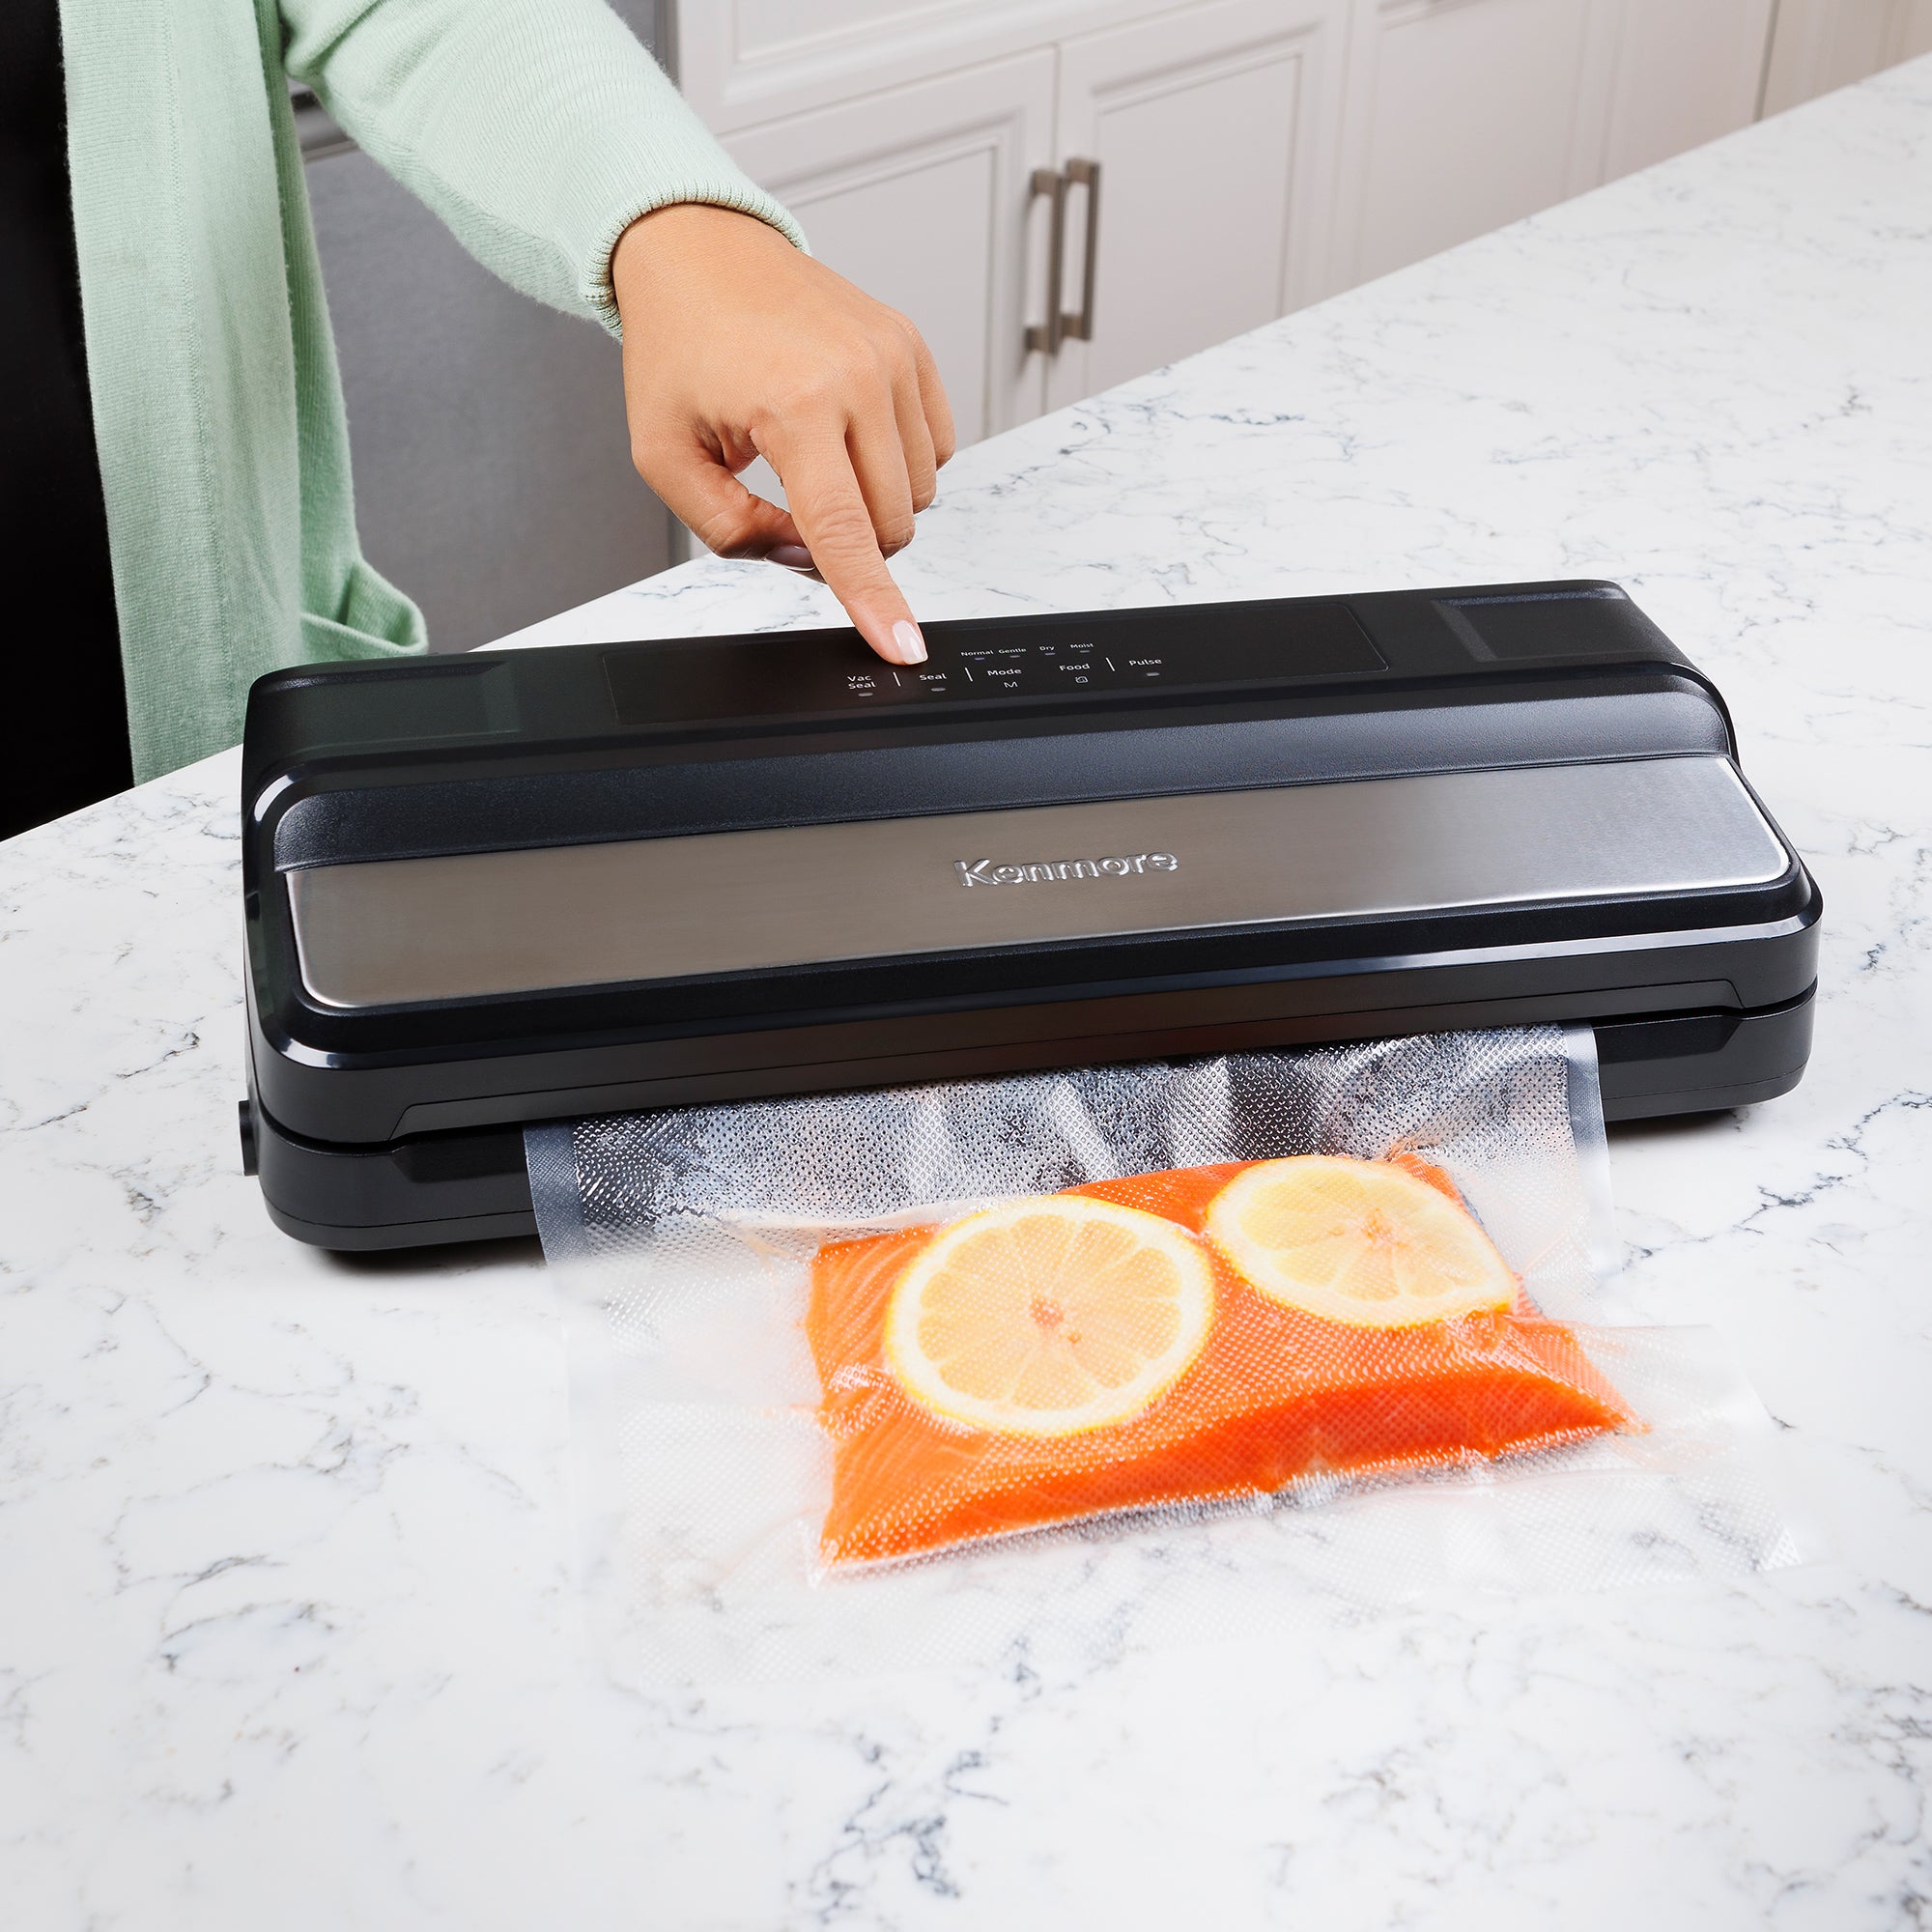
{"x": 821, "y": 1338}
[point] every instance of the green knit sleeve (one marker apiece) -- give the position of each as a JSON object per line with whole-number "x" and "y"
{"x": 538, "y": 130}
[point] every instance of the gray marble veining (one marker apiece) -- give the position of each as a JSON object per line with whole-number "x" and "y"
{"x": 288, "y": 1634}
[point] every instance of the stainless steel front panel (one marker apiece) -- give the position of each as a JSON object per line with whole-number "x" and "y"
{"x": 406, "y": 930}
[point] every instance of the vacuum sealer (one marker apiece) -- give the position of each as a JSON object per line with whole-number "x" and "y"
{"x": 529, "y": 885}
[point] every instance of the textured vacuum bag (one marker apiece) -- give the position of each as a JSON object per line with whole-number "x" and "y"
{"x": 1158, "y": 1349}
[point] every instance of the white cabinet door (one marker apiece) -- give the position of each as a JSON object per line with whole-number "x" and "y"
{"x": 1684, "y": 74}
{"x": 1462, "y": 115}
{"x": 1819, "y": 44}
{"x": 919, "y": 195}
{"x": 745, "y": 62}
{"x": 1208, "y": 125}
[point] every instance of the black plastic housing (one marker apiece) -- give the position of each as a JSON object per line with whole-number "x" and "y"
{"x": 390, "y": 1127}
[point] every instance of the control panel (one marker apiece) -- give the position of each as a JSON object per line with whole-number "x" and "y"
{"x": 1190, "y": 647}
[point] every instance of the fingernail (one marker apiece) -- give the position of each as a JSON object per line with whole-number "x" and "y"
{"x": 789, "y": 556}
{"x": 912, "y": 646}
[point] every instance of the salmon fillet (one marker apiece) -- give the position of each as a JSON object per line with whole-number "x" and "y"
{"x": 1277, "y": 1395}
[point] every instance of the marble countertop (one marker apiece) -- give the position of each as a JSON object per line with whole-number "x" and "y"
{"x": 288, "y": 1631}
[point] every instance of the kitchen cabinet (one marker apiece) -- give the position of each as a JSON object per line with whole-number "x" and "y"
{"x": 1825, "y": 43}
{"x": 1682, "y": 76}
{"x": 744, "y": 63}
{"x": 1460, "y": 115}
{"x": 1466, "y": 114}
{"x": 1197, "y": 198}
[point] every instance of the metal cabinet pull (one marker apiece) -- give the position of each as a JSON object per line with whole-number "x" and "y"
{"x": 1046, "y": 335}
{"x": 1087, "y": 175}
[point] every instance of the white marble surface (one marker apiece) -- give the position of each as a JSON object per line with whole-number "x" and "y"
{"x": 287, "y": 1632}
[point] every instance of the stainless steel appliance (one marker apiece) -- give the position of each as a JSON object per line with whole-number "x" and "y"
{"x": 531, "y": 884}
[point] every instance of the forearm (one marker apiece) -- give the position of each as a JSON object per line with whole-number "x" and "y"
{"x": 538, "y": 130}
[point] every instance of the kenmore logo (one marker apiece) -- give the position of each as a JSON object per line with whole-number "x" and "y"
{"x": 983, "y": 872}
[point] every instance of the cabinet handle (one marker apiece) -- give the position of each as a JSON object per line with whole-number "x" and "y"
{"x": 1045, "y": 336}
{"x": 1087, "y": 175}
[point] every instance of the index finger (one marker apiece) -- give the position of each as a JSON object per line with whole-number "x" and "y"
{"x": 827, "y": 504}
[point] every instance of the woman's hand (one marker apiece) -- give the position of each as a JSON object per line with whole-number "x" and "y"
{"x": 736, "y": 345}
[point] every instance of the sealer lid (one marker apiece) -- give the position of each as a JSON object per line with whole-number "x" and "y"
{"x": 398, "y": 932}
{"x": 444, "y": 855}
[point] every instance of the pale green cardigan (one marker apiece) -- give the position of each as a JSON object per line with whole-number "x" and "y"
{"x": 537, "y": 128}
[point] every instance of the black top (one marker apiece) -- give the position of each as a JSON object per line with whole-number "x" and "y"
{"x": 63, "y": 743}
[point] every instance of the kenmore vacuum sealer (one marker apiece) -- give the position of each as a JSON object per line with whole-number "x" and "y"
{"x": 529, "y": 885}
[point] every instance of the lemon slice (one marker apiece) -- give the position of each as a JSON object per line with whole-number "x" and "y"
{"x": 1048, "y": 1317}
{"x": 1360, "y": 1241}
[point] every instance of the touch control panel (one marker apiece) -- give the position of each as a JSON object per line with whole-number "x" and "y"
{"x": 1029, "y": 658}
{"x": 1023, "y": 671}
